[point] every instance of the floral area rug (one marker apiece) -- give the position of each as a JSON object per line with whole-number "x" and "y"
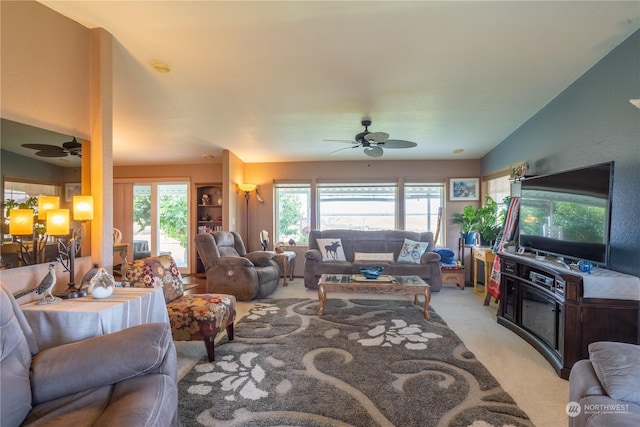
{"x": 364, "y": 363}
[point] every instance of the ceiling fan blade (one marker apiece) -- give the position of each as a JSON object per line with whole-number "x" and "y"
{"x": 45, "y": 150}
{"x": 373, "y": 151}
{"x": 52, "y": 153}
{"x": 398, "y": 143}
{"x": 41, "y": 146}
{"x": 345, "y": 148}
{"x": 377, "y": 137}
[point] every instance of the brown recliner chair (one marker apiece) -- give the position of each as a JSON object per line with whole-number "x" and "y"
{"x": 126, "y": 378}
{"x": 231, "y": 270}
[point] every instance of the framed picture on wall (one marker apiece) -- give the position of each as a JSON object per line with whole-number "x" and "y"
{"x": 72, "y": 189}
{"x": 464, "y": 189}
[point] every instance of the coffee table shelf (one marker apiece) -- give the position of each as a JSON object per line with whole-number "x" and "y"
{"x": 395, "y": 285}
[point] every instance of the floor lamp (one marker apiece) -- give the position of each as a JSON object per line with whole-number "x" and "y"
{"x": 247, "y": 188}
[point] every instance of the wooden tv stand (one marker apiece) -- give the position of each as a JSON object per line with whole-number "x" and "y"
{"x": 543, "y": 303}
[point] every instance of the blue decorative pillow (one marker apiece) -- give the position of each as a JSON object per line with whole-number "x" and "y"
{"x": 412, "y": 251}
{"x": 447, "y": 256}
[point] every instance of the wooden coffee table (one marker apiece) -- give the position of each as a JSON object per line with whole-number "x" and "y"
{"x": 395, "y": 285}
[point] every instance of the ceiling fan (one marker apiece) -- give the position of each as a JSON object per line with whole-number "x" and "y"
{"x": 373, "y": 142}
{"x": 72, "y": 147}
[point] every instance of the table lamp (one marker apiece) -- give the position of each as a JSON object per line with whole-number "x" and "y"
{"x": 46, "y": 203}
{"x": 58, "y": 225}
{"x": 21, "y": 222}
{"x": 20, "y": 225}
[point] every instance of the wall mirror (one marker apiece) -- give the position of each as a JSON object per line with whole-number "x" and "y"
{"x": 51, "y": 165}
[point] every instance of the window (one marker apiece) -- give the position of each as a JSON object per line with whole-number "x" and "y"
{"x": 357, "y": 206}
{"x": 22, "y": 191}
{"x": 293, "y": 212}
{"x": 498, "y": 189}
{"x": 422, "y": 205}
{"x": 160, "y": 217}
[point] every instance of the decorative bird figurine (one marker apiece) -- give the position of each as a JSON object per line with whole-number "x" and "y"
{"x": 86, "y": 280}
{"x": 45, "y": 287}
{"x": 47, "y": 284}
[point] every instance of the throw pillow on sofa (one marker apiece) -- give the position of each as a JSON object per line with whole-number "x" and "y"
{"x": 412, "y": 251}
{"x": 373, "y": 256}
{"x": 331, "y": 249}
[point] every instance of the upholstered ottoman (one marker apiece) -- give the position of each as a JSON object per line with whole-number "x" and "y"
{"x": 193, "y": 317}
{"x": 200, "y": 317}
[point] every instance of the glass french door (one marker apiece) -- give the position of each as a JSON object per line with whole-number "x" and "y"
{"x": 161, "y": 219}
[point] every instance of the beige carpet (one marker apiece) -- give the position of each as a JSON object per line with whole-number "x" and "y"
{"x": 520, "y": 369}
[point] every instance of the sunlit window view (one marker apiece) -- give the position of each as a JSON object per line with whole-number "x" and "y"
{"x": 357, "y": 206}
{"x": 422, "y": 206}
{"x": 160, "y": 220}
{"x": 293, "y": 212}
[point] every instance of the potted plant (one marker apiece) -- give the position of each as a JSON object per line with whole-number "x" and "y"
{"x": 489, "y": 221}
{"x": 468, "y": 220}
{"x": 511, "y": 246}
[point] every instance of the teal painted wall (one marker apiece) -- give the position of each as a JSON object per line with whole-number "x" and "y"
{"x": 591, "y": 122}
{"x": 16, "y": 165}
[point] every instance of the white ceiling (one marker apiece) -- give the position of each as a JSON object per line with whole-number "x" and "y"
{"x": 271, "y": 81}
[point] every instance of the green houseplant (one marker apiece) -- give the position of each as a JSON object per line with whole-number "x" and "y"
{"x": 469, "y": 225}
{"x": 486, "y": 221}
{"x": 489, "y": 221}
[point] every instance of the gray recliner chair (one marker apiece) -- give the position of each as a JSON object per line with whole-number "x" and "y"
{"x": 604, "y": 390}
{"x": 127, "y": 378}
{"x": 231, "y": 270}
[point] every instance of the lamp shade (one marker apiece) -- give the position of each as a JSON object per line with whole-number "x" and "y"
{"x": 82, "y": 208}
{"x": 21, "y": 222}
{"x": 45, "y": 203}
{"x": 247, "y": 187}
{"x": 58, "y": 222}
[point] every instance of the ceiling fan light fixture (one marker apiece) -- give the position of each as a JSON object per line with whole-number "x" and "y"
{"x": 373, "y": 142}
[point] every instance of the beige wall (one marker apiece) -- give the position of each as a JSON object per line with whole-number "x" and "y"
{"x": 45, "y": 80}
{"x": 45, "y": 68}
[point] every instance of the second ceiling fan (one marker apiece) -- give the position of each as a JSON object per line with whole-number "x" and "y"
{"x": 374, "y": 142}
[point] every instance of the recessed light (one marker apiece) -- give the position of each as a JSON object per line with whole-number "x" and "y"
{"x": 208, "y": 156}
{"x": 458, "y": 150}
{"x": 161, "y": 67}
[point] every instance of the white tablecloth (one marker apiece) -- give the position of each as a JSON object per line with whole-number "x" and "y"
{"x": 78, "y": 319}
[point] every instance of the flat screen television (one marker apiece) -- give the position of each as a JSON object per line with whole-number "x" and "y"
{"x": 568, "y": 214}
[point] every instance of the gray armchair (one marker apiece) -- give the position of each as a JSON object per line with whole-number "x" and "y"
{"x": 124, "y": 378}
{"x": 231, "y": 270}
{"x": 604, "y": 390}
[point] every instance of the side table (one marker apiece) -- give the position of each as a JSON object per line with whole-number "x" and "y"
{"x": 453, "y": 276}
{"x": 486, "y": 256}
{"x": 286, "y": 261}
